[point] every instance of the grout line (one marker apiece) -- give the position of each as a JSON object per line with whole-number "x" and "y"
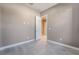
{"x": 65, "y": 45}
{"x": 13, "y": 45}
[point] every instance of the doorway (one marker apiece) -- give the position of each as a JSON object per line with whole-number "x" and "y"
{"x": 41, "y": 28}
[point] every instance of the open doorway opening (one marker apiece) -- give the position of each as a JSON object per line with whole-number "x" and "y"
{"x": 41, "y": 28}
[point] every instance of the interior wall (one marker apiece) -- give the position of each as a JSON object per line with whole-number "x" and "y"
{"x": 59, "y": 25}
{"x": 0, "y": 27}
{"x": 18, "y": 23}
{"x": 75, "y": 28}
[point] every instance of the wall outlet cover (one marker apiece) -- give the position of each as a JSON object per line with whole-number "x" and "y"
{"x": 27, "y": 37}
{"x": 61, "y": 39}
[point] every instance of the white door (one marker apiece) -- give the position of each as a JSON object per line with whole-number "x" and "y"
{"x": 38, "y": 27}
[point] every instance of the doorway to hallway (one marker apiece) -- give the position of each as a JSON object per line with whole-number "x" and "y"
{"x": 41, "y": 28}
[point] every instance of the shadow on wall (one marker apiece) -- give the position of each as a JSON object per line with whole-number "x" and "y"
{"x": 61, "y": 25}
{"x": 17, "y": 23}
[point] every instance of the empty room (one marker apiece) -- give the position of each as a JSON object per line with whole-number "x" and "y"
{"x": 39, "y": 28}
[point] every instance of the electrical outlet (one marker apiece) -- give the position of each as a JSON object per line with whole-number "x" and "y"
{"x": 27, "y": 37}
{"x": 24, "y": 23}
{"x": 61, "y": 39}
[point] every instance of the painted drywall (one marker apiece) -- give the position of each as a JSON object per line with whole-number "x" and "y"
{"x": 59, "y": 25}
{"x": 0, "y": 28}
{"x": 18, "y": 23}
{"x": 75, "y": 28}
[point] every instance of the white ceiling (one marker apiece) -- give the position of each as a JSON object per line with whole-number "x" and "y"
{"x": 41, "y": 6}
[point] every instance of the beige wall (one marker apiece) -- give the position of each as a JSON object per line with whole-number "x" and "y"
{"x": 13, "y": 28}
{"x": 59, "y": 25}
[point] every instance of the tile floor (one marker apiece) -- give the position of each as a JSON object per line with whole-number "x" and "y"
{"x": 40, "y": 47}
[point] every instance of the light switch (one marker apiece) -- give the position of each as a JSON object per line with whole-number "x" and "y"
{"x": 24, "y": 22}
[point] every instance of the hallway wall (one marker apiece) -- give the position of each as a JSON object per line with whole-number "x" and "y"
{"x": 59, "y": 26}
{"x": 18, "y": 23}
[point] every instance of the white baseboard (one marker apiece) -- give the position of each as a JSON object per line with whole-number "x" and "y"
{"x": 13, "y": 45}
{"x": 65, "y": 45}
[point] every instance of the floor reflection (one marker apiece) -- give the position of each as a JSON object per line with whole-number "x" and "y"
{"x": 39, "y": 47}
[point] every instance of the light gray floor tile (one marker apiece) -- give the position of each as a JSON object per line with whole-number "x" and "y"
{"x": 39, "y": 48}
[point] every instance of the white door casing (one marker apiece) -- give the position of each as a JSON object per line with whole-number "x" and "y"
{"x": 38, "y": 27}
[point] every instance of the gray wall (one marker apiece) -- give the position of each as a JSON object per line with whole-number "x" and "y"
{"x": 75, "y": 28}
{"x": 59, "y": 26}
{"x": 62, "y": 26}
{"x": 0, "y": 28}
{"x": 13, "y": 28}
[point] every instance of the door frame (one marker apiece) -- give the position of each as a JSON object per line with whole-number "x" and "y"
{"x": 35, "y": 27}
{"x": 46, "y": 25}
